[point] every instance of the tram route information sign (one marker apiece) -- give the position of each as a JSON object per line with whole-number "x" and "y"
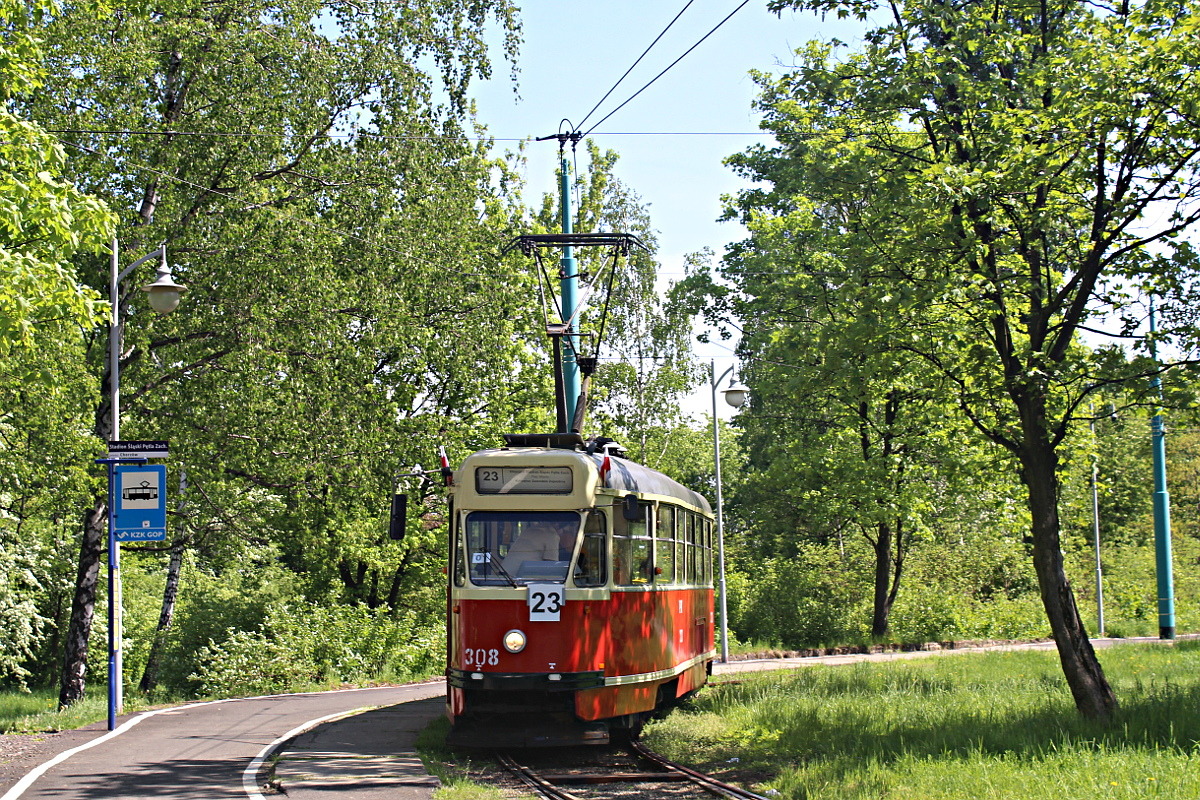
{"x": 137, "y": 449}
{"x": 140, "y": 503}
{"x": 523, "y": 480}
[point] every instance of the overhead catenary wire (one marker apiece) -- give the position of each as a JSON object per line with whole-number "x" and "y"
{"x": 663, "y": 33}
{"x": 668, "y": 67}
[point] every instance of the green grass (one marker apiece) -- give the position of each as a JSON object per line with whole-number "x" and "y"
{"x": 450, "y": 767}
{"x": 972, "y": 725}
{"x": 37, "y": 711}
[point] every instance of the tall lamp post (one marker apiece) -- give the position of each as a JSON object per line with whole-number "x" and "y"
{"x": 1096, "y": 528}
{"x": 735, "y": 395}
{"x": 1162, "y": 508}
{"x": 164, "y": 298}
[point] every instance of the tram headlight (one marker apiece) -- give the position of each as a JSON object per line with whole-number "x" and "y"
{"x": 514, "y": 641}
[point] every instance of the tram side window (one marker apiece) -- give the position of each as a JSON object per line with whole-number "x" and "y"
{"x": 688, "y": 537}
{"x": 708, "y": 554}
{"x": 589, "y": 569}
{"x": 664, "y": 546}
{"x": 694, "y": 567}
{"x": 632, "y": 563}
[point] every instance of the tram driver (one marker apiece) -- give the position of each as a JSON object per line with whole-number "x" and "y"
{"x": 554, "y": 541}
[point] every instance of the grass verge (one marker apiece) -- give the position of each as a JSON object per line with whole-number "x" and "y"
{"x": 450, "y": 767}
{"x": 37, "y": 711}
{"x": 995, "y": 725}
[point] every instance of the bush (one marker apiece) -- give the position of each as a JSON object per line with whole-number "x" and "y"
{"x": 302, "y": 644}
{"x": 20, "y": 625}
{"x": 797, "y": 602}
{"x": 211, "y": 608}
{"x": 252, "y": 663}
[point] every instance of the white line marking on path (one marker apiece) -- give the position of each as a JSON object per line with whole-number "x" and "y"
{"x": 250, "y": 775}
{"x": 20, "y": 787}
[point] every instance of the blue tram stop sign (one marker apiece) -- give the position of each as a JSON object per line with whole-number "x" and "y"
{"x": 140, "y": 503}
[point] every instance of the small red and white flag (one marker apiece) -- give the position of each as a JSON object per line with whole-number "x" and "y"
{"x": 605, "y": 466}
{"x": 447, "y": 473}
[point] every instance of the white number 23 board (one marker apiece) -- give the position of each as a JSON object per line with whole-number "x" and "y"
{"x": 546, "y": 600}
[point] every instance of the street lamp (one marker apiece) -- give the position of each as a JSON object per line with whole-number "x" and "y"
{"x": 735, "y": 395}
{"x": 164, "y": 297}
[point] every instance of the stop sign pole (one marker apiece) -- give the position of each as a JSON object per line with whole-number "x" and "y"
{"x": 137, "y": 511}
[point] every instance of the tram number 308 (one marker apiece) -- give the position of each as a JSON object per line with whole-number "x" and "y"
{"x": 481, "y": 657}
{"x": 546, "y": 600}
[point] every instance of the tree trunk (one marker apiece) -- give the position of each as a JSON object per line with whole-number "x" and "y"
{"x": 1093, "y": 695}
{"x": 165, "y": 618}
{"x": 83, "y": 606}
{"x": 882, "y": 544}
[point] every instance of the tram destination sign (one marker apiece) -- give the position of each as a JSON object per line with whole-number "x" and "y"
{"x": 523, "y": 480}
{"x": 137, "y": 449}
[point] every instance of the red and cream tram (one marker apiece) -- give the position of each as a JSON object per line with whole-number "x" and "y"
{"x": 580, "y": 594}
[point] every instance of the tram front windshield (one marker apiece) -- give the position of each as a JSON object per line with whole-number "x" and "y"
{"x": 511, "y": 548}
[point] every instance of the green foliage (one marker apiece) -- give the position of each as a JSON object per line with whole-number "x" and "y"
{"x": 20, "y": 624}
{"x": 949, "y": 207}
{"x": 36, "y": 585}
{"x": 305, "y": 644}
{"x": 44, "y": 220}
{"x": 980, "y": 588}
{"x": 44, "y": 310}
{"x": 322, "y": 188}
{"x": 801, "y": 601}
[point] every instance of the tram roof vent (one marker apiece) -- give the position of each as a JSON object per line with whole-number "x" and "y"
{"x": 606, "y": 446}
{"x": 558, "y": 441}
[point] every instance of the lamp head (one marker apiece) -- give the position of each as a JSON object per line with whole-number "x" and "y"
{"x": 736, "y": 395}
{"x": 164, "y": 291}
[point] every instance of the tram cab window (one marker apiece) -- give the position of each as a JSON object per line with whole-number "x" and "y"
{"x": 515, "y": 547}
{"x": 460, "y": 572}
{"x": 632, "y": 554}
{"x": 590, "y": 565}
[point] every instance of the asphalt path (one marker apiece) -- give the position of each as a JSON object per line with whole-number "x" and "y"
{"x": 203, "y": 751}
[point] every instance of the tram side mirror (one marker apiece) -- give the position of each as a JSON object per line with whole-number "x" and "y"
{"x": 633, "y": 511}
{"x": 399, "y": 517}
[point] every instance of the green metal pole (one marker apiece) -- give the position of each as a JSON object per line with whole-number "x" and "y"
{"x": 568, "y": 287}
{"x": 1162, "y": 514}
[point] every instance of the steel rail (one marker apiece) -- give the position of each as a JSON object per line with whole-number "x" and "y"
{"x": 544, "y": 784}
{"x": 533, "y": 780}
{"x": 707, "y": 782}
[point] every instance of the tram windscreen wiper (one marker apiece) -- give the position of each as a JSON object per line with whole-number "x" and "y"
{"x": 491, "y": 559}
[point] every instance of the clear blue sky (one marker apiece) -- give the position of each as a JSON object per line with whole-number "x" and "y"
{"x": 574, "y": 51}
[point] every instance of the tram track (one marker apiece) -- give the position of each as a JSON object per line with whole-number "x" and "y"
{"x": 619, "y": 772}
